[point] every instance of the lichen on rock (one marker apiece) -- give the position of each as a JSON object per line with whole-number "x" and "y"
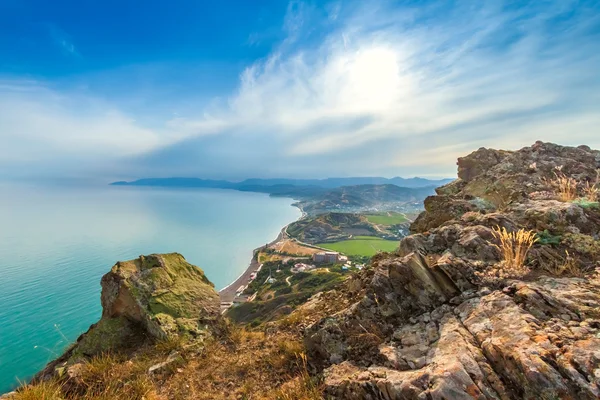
{"x": 151, "y": 298}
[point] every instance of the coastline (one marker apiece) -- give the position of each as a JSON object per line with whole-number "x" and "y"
{"x": 228, "y": 293}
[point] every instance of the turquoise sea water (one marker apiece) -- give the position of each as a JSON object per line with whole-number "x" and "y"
{"x": 57, "y": 242}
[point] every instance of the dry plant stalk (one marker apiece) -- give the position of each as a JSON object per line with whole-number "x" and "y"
{"x": 592, "y": 190}
{"x": 565, "y": 186}
{"x": 570, "y": 266}
{"x": 513, "y": 247}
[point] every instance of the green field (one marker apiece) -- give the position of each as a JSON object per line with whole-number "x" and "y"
{"x": 386, "y": 218}
{"x": 361, "y": 246}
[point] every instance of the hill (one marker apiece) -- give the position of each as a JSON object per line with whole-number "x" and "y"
{"x": 333, "y": 227}
{"x": 365, "y": 198}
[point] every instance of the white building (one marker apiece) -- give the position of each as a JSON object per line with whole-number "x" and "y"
{"x": 301, "y": 268}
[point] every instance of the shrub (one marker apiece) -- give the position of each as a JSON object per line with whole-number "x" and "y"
{"x": 547, "y": 238}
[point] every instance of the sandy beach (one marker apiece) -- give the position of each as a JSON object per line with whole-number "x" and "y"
{"x": 227, "y": 294}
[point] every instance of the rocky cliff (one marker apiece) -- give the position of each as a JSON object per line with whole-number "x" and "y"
{"x": 438, "y": 320}
{"x": 152, "y": 298}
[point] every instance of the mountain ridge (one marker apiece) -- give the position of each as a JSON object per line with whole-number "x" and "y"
{"x": 330, "y": 183}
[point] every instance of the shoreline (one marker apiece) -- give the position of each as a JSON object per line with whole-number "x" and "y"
{"x": 228, "y": 293}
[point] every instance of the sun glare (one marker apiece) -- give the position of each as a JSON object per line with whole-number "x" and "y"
{"x": 373, "y": 78}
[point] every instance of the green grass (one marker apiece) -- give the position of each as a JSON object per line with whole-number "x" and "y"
{"x": 361, "y": 246}
{"x": 386, "y": 218}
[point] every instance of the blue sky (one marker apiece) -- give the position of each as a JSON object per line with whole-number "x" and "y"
{"x": 233, "y": 89}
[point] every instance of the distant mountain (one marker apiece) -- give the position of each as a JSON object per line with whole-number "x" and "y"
{"x": 363, "y": 197}
{"x": 178, "y": 182}
{"x": 338, "y": 182}
{"x": 318, "y": 196}
{"x": 282, "y": 184}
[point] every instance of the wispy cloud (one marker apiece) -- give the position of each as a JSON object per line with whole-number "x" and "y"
{"x": 46, "y": 131}
{"x": 356, "y": 88}
{"x": 455, "y": 77}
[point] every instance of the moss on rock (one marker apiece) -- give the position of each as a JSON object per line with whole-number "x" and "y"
{"x": 582, "y": 244}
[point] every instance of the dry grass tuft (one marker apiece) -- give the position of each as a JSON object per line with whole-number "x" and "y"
{"x": 591, "y": 191}
{"x": 571, "y": 266}
{"x": 303, "y": 387}
{"x": 564, "y": 186}
{"x": 40, "y": 391}
{"x": 513, "y": 247}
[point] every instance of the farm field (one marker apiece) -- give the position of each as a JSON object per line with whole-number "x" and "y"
{"x": 386, "y": 218}
{"x": 361, "y": 246}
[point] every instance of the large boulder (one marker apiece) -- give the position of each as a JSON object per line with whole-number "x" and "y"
{"x": 151, "y": 298}
{"x": 162, "y": 292}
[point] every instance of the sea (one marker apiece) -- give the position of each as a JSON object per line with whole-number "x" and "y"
{"x": 57, "y": 241}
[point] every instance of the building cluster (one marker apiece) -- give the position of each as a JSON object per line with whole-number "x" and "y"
{"x": 329, "y": 257}
{"x": 301, "y": 268}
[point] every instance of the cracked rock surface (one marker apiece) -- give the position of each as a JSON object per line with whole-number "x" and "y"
{"x": 428, "y": 327}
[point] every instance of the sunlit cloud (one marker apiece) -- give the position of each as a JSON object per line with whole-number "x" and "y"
{"x": 456, "y": 78}
{"x": 354, "y": 89}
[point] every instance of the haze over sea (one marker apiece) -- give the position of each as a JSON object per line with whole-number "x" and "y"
{"x": 57, "y": 242}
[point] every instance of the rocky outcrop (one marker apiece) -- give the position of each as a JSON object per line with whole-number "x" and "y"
{"x": 154, "y": 297}
{"x": 431, "y": 327}
{"x": 494, "y": 179}
{"x": 162, "y": 292}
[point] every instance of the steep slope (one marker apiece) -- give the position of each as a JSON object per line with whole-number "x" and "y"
{"x": 439, "y": 320}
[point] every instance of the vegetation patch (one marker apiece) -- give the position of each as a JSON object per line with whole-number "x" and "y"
{"x": 388, "y": 218}
{"x": 362, "y": 246}
{"x": 546, "y": 238}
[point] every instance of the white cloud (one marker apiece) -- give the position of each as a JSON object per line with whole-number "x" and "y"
{"x": 359, "y": 88}
{"x": 472, "y": 74}
{"x": 41, "y": 127}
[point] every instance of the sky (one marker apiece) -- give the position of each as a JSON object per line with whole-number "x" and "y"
{"x": 111, "y": 90}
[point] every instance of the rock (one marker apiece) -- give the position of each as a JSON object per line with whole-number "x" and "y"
{"x": 489, "y": 347}
{"x": 440, "y": 209}
{"x": 172, "y": 358}
{"x": 479, "y": 162}
{"x": 164, "y": 293}
{"x": 428, "y": 328}
{"x": 150, "y": 298}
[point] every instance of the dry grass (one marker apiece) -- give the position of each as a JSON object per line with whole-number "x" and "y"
{"x": 564, "y": 186}
{"x": 289, "y": 246}
{"x": 252, "y": 365}
{"x": 241, "y": 364}
{"x": 591, "y": 191}
{"x": 41, "y": 391}
{"x": 303, "y": 387}
{"x": 513, "y": 247}
{"x": 571, "y": 266}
